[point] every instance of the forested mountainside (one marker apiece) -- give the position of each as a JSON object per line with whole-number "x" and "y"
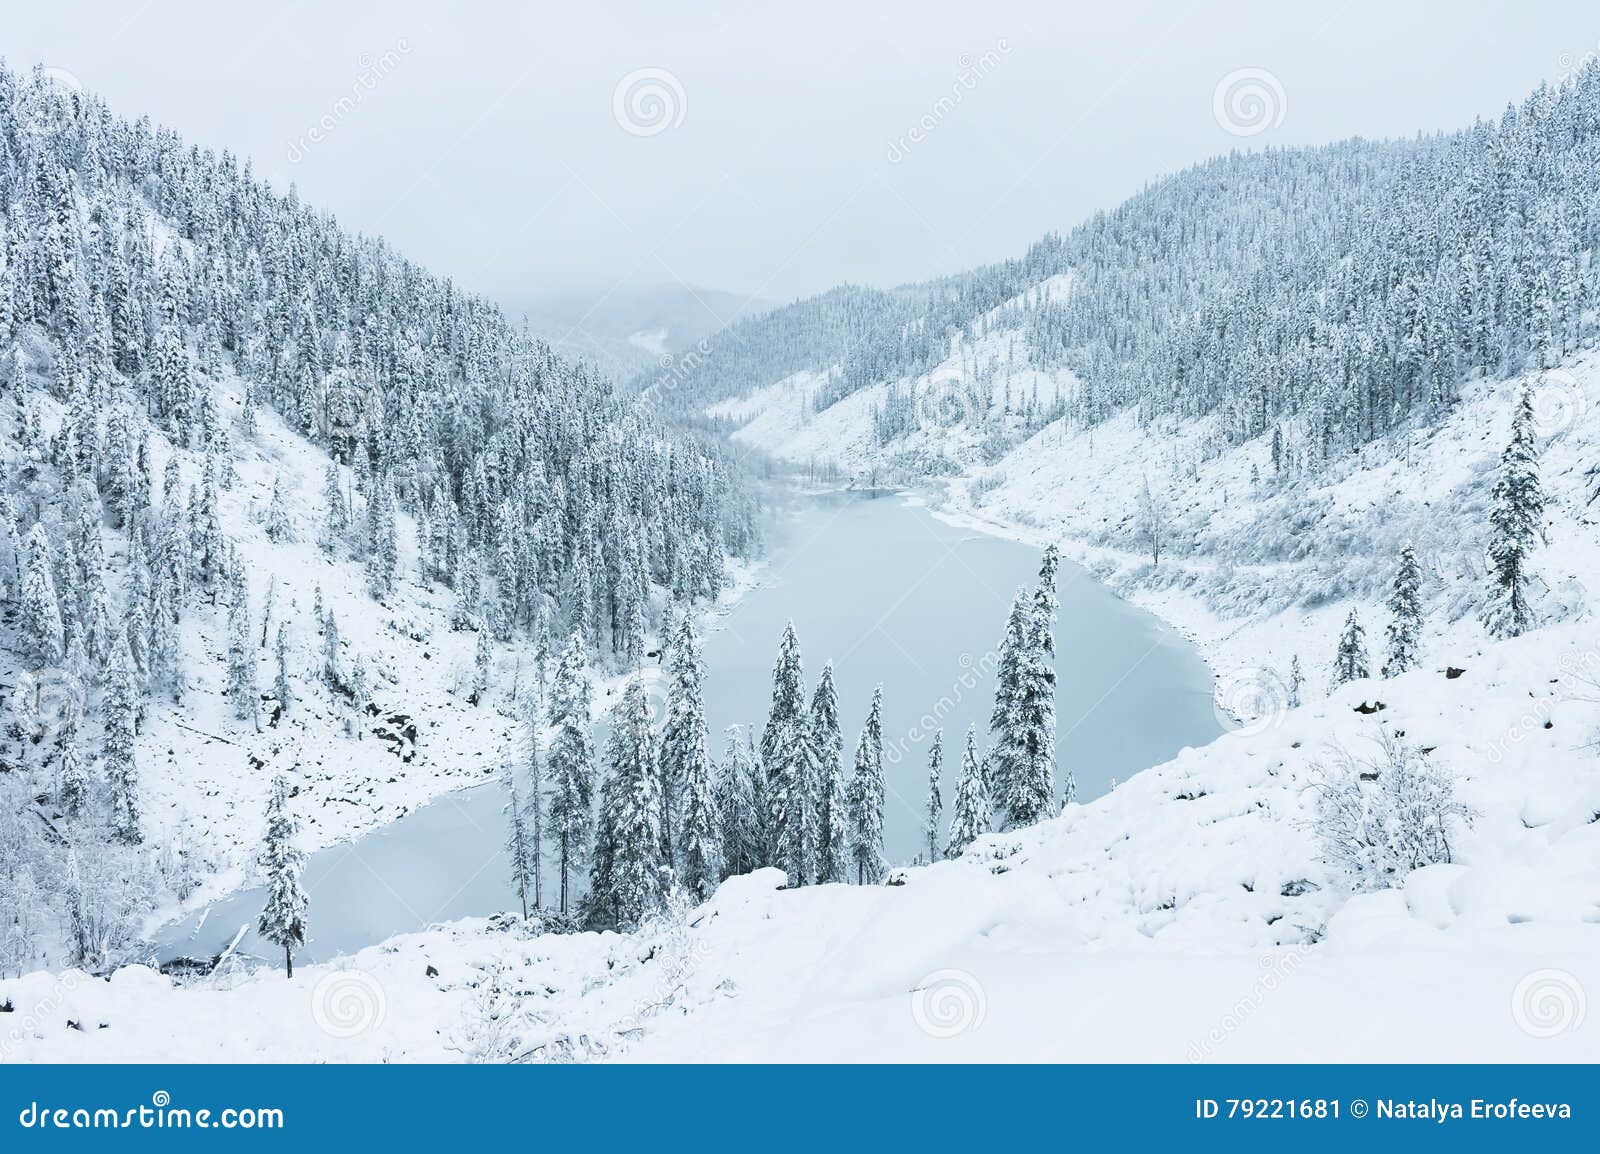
{"x": 1327, "y": 293}
{"x": 226, "y": 417}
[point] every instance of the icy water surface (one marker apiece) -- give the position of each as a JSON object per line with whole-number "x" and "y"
{"x": 891, "y": 596}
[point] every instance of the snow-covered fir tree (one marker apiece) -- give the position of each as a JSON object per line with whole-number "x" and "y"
{"x": 694, "y": 839}
{"x": 1404, "y": 633}
{"x": 41, "y": 608}
{"x": 684, "y": 723}
{"x": 241, "y": 684}
{"x": 283, "y": 917}
{"x": 790, "y": 763}
{"x": 571, "y": 763}
{"x": 520, "y": 854}
{"x": 933, "y": 809}
{"x": 282, "y": 686}
{"x": 72, "y": 774}
{"x": 736, "y": 807}
{"x": 1350, "y": 662}
{"x": 970, "y": 818}
{"x": 833, "y": 807}
{"x": 628, "y": 879}
{"x": 279, "y": 524}
{"x": 1516, "y": 524}
{"x": 867, "y": 788}
{"x": 119, "y": 716}
{"x": 1024, "y": 757}
{"x": 1010, "y": 669}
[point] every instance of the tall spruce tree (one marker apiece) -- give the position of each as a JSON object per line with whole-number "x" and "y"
{"x": 1405, "y": 615}
{"x": 934, "y": 808}
{"x": 519, "y": 840}
{"x": 867, "y": 789}
{"x": 1025, "y": 755}
{"x": 791, "y": 767}
{"x": 571, "y": 762}
{"x": 683, "y": 738}
{"x": 628, "y": 880}
{"x": 121, "y": 711}
{"x": 283, "y": 918}
{"x": 41, "y": 608}
{"x": 1516, "y": 524}
{"x": 1350, "y": 662}
{"x": 736, "y": 808}
{"x": 833, "y": 807}
{"x": 694, "y": 840}
{"x": 971, "y": 818}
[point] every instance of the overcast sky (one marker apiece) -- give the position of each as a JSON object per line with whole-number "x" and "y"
{"x": 490, "y": 140}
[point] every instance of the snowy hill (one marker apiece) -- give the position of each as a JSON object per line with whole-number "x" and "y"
{"x": 1191, "y": 914}
{"x": 278, "y": 502}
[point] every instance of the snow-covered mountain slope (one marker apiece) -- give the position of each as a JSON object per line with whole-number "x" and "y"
{"x": 1260, "y": 564}
{"x": 984, "y": 396}
{"x": 1194, "y": 913}
{"x": 1262, "y": 569}
{"x": 205, "y": 775}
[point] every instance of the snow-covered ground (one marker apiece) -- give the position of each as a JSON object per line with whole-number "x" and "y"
{"x": 1190, "y": 914}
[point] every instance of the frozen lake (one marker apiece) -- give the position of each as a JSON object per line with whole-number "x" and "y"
{"x": 890, "y": 595}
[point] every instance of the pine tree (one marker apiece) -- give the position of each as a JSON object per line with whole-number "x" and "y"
{"x": 1004, "y": 766}
{"x": 1516, "y": 525}
{"x": 628, "y": 879}
{"x": 736, "y": 808}
{"x": 336, "y": 513}
{"x": 72, "y": 775}
{"x": 686, "y": 780}
{"x": 1405, "y": 615}
{"x": 1025, "y": 754}
{"x": 867, "y": 790}
{"x": 533, "y": 809}
{"x": 83, "y": 948}
{"x": 833, "y": 809}
{"x": 791, "y": 768}
{"x": 120, "y": 709}
{"x": 519, "y": 841}
{"x": 241, "y": 684}
{"x": 41, "y": 608}
{"x": 971, "y": 819}
{"x": 282, "y": 687}
{"x": 935, "y": 805}
{"x": 571, "y": 762}
{"x": 482, "y": 659}
{"x": 1297, "y": 680}
{"x": 283, "y": 918}
{"x": 279, "y": 526}
{"x": 1350, "y": 663}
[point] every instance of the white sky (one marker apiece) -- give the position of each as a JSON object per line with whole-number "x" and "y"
{"x": 490, "y": 150}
